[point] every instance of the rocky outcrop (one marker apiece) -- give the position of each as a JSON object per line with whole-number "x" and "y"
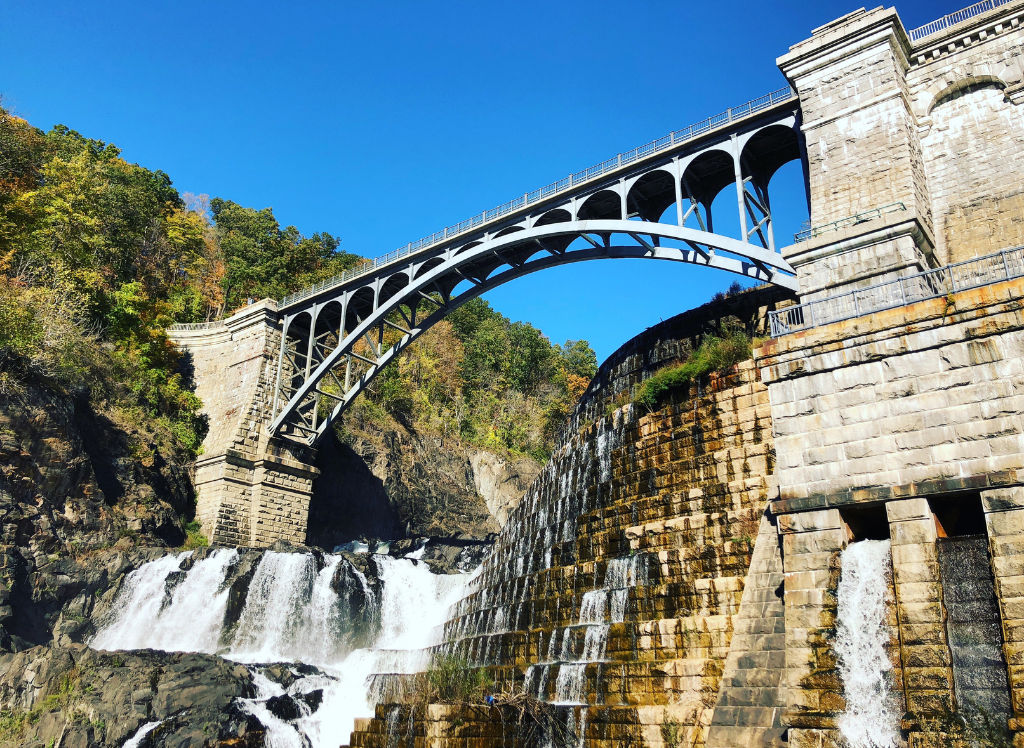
{"x": 501, "y": 482}
{"x": 77, "y": 490}
{"x": 74, "y": 696}
{"x": 404, "y": 484}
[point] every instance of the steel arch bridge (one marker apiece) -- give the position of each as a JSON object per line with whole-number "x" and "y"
{"x": 336, "y": 340}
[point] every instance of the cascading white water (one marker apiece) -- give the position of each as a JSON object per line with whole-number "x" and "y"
{"x": 291, "y": 614}
{"x": 595, "y": 607}
{"x": 871, "y": 719}
{"x": 189, "y": 621}
{"x": 136, "y": 740}
{"x": 413, "y": 607}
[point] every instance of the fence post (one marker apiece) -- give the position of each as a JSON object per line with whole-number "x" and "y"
{"x": 1006, "y": 267}
{"x": 903, "y": 292}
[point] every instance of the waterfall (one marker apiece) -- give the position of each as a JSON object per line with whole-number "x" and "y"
{"x": 292, "y": 613}
{"x": 595, "y": 607}
{"x": 974, "y": 632}
{"x": 871, "y": 719}
{"x": 136, "y": 740}
{"x": 187, "y": 619}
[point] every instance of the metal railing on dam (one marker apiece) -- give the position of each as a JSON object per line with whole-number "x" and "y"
{"x": 842, "y": 223}
{"x": 952, "y": 19}
{"x": 1009, "y": 263}
{"x": 674, "y": 138}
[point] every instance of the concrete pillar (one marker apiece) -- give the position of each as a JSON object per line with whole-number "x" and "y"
{"x": 927, "y": 665}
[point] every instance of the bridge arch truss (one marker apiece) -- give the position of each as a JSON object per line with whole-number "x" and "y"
{"x": 334, "y": 343}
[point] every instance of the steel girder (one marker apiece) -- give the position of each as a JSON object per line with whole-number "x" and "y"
{"x": 323, "y": 337}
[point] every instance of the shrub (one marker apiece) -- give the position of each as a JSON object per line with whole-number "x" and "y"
{"x": 451, "y": 680}
{"x": 714, "y": 354}
{"x": 194, "y": 537}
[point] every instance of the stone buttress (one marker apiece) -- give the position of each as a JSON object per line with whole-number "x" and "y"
{"x": 252, "y": 490}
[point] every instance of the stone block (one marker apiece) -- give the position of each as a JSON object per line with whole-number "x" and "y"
{"x": 1009, "y": 522}
{"x": 908, "y": 509}
{"x": 913, "y": 532}
{"x": 819, "y": 541}
{"x": 1003, "y": 499}
{"x": 826, "y": 519}
{"x": 919, "y": 592}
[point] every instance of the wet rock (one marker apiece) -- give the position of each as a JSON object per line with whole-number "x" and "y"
{"x": 238, "y": 579}
{"x": 284, "y": 707}
{"x": 102, "y": 699}
{"x": 313, "y": 699}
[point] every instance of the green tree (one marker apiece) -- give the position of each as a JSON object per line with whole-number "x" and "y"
{"x": 578, "y": 358}
{"x": 264, "y": 260}
{"x": 528, "y": 356}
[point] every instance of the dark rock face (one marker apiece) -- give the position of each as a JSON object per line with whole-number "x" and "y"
{"x": 97, "y": 699}
{"x": 444, "y": 555}
{"x": 70, "y": 491}
{"x": 401, "y": 485}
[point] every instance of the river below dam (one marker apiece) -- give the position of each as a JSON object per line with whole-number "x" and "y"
{"x": 295, "y": 611}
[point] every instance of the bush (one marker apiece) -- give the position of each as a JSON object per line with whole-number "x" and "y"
{"x": 451, "y": 680}
{"x": 194, "y": 537}
{"x": 714, "y": 354}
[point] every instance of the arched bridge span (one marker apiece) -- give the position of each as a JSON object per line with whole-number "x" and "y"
{"x": 336, "y": 340}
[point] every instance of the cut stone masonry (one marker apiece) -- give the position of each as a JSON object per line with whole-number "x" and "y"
{"x": 251, "y": 490}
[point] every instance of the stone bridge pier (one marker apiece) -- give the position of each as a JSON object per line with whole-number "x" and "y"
{"x": 252, "y": 489}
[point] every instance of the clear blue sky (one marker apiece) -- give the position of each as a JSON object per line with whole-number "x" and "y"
{"x": 383, "y": 122}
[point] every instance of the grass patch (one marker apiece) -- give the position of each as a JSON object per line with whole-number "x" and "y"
{"x": 12, "y": 723}
{"x": 714, "y": 354}
{"x": 451, "y": 680}
{"x": 194, "y": 537}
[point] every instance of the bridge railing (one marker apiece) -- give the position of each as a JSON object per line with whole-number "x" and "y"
{"x": 930, "y": 284}
{"x": 195, "y": 326}
{"x": 941, "y": 24}
{"x": 573, "y": 180}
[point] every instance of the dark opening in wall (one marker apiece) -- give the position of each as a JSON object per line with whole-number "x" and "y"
{"x": 866, "y": 522}
{"x": 958, "y": 516}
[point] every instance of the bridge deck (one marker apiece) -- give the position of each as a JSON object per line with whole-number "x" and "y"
{"x": 581, "y": 181}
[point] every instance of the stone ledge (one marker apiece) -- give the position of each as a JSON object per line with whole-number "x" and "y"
{"x": 788, "y": 357}
{"x": 234, "y": 457}
{"x": 879, "y": 494}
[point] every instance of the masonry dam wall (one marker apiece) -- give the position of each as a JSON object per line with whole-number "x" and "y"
{"x": 619, "y": 586}
{"x": 675, "y": 578}
{"x": 823, "y": 546}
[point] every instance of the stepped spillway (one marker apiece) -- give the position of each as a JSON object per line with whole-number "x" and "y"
{"x": 614, "y": 588}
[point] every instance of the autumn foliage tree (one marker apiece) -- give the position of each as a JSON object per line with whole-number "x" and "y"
{"x": 98, "y": 256}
